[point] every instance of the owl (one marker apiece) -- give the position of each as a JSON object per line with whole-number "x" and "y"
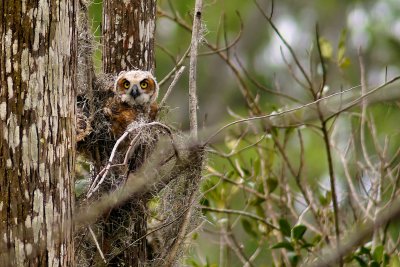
{"x": 135, "y": 94}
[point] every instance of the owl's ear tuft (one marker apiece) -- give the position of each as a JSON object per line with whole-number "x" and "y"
{"x": 121, "y": 72}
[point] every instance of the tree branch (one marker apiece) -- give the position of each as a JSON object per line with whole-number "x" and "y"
{"x": 196, "y": 37}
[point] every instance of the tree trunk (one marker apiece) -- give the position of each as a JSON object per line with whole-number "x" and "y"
{"x": 128, "y": 35}
{"x": 128, "y": 43}
{"x": 37, "y": 115}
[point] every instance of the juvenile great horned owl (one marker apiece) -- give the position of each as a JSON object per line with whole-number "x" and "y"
{"x": 135, "y": 97}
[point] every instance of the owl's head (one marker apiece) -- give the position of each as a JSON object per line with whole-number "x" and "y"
{"x": 136, "y": 87}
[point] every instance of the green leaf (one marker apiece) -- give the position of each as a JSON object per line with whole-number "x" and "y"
{"x": 344, "y": 63}
{"x": 360, "y": 261}
{"x": 395, "y": 261}
{"x": 256, "y": 167}
{"x": 316, "y": 239}
{"x": 230, "y": 141}
{"x": 284, "y": 226}
{"x": 230, "y": 174}
{"x": 374, "y": 264}
{"x": 293, "y": 258}
{"x": 205, "y": 202}
{"x": 326, "y": 48}
{"x": 246, "y": 172}
{"x": 248, "y": 228}
{"x": 326, "y": 199}
{"x": 260, "y": 188}
{"x": 386, "y": 259}
{"x": 378, "y": 253}
{"x": 272, "y": 184}
{"x": 256, "y": 201}
{"x": 193, "y": 263}
{"x": 81, "y": 186}
{"x": 298, "y": 231}
{"x": 364, "y": 251}
{"x": 195, "y": 236}
{"x": 285, "y": 244}
{"x": 342, "y": 45}
{"x": 307, "y": 245}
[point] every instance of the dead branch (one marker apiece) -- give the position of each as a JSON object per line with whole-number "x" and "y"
{"x": 196, "y": 38}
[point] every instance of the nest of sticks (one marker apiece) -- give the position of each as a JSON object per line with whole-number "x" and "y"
{"x": 149, "y": 163}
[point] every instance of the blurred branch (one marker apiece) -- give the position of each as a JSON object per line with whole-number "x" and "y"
{"x": 241, "y": 213}
{"x": 350, "y": 104}
{"x": 97, "y": 244}
{"x": 238, "y": 250}
{"x": 228, "y": 46}
{"x": 250, "y": 101}
{"x": 321, "y": 58}
{"x": 181, "y": 236}
{"x": 287, "y": 45}
{"x": 262, "y": 87}
{"x": 171, "y": 86}
{"x": 179, "y": 64}
{"x": 168, "y": 53}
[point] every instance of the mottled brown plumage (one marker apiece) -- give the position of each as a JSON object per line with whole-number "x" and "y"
{"x": 121, "y": 114}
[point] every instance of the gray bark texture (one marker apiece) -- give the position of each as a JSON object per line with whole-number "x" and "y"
{"x": 128, "y": 35}
{"x": 37, "y": 117}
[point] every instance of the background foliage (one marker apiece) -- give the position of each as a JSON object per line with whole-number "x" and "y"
{"x": 259, "y": 175}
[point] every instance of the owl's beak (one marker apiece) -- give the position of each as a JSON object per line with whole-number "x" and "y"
{"x": 135, "y": 91}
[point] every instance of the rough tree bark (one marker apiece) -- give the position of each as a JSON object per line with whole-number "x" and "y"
{"x": 37, "y": 116}
{"x": 128, "y": 35}
{"x": 128, "y": 43}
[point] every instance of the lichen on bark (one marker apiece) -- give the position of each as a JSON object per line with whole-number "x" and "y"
{"x": 37, "y": 115}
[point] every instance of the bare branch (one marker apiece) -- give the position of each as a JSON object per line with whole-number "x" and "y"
{"x": 97, "y": 244}
{"x": 196, "y": 38}
{"x": 171, "y": 86}
{"x": 242, "y": 213}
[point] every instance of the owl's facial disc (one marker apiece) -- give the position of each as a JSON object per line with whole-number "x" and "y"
{"x": 136, "y": 88}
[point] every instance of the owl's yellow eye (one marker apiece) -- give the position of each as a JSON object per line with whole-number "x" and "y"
{"x": 144, "y": 84}
{"x": 126, "y": 84}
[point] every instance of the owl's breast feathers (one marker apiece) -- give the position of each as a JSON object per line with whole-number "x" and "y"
{"x": 121, "y": 114}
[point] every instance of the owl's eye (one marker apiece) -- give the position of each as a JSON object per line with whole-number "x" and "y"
{"x": 144, "y": 84}
{"x": 126, "y": 84}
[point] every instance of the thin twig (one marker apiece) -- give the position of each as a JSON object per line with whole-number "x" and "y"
{"x": 332, "y": 180}
{"x": 242, "y": 213}
{"x": 288, "y": 46}
{"x": 364, "y": 105}
{"x": 172, "y": 252}
{"x": 172, "y": 85}
{"x": 103, "y": 173}
{"x": 231, "y": 241}
{"x": 94, "y": 186}
{"x": 321, "y": 58}
{"x": 250, "y": 101}
{"x": 276, "y": 114}
{"x": 180, "y": 62}
{"x": 230, "y": 45}
{"x": 97, "y": 244}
